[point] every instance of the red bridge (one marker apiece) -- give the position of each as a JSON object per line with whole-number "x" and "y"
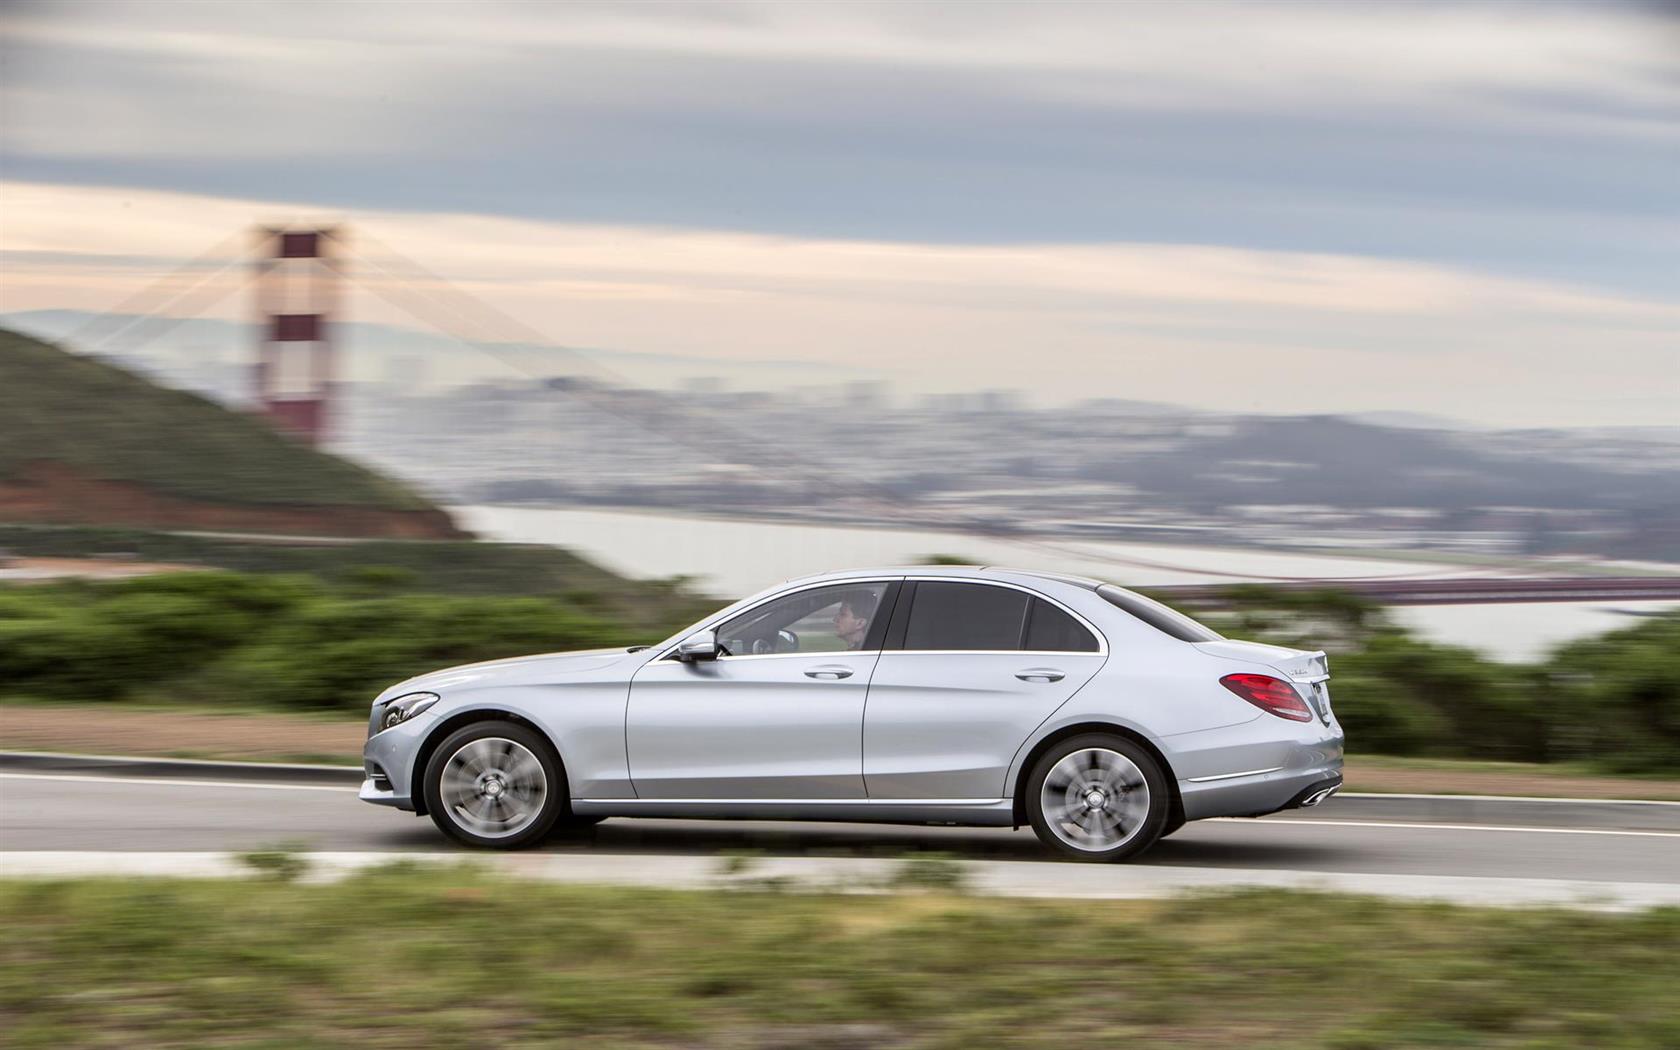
{"x": 1465, "y": 591}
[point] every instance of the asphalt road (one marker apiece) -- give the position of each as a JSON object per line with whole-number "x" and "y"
{"x": 99, "y": 813}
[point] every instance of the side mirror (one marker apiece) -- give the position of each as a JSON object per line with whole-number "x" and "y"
{"x": 701, "y": 645}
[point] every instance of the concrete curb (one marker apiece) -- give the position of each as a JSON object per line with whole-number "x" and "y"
{"x": 1514, "y": 811}
{"x": 178, "y": 768}
{"x": 855, "y": 875}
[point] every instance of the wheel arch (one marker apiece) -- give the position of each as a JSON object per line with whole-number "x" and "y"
{"x": 440, "y": 732}
{"x": 1175, "y": 811}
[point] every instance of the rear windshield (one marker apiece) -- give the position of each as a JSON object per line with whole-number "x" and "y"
{"x": 1157, "y": 615}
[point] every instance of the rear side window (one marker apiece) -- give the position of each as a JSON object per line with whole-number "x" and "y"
{"x": 1051, "y": 630}
{"x": 1157, "y": 615}
{"x": 966, "y": 616}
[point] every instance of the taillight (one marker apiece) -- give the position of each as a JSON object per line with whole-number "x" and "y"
{"x": 1272, "y": 695}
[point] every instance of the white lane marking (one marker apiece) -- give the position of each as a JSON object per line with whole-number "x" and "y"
{"x": 1512, "y": 798}
{"x": 172, "y": 782}
{"x": 1538, "y": 830}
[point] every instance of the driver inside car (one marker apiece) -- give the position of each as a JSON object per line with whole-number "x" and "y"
{"x": 851, "y": 619}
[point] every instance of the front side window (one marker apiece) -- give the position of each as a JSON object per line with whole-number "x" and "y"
{"x": 820, "y": 620}
{"x": 966, "y": 616}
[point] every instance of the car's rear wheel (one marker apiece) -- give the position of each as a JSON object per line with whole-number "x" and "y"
{"x": 1097, "y": 797}
{"x": 495, "y": 784}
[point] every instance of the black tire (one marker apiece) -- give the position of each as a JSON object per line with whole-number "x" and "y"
{"x": 572, "y": 826}
{"x": 1172, "y": 825}
{"x": 1139, "y": 821}
{"x": 549, "y": 807}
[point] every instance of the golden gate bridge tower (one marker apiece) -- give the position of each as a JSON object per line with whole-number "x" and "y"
{"x": 297, "y": 279}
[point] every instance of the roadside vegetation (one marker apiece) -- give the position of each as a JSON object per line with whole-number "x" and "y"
{"x": 224, "y": 640}
{"x": 410, "y": 957}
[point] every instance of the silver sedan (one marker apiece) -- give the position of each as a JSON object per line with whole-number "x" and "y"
{"x": 953, "y": 695}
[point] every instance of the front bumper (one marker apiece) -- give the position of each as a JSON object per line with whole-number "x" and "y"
{"x": 377, "y": 790}
{"x": 388, "y": 757}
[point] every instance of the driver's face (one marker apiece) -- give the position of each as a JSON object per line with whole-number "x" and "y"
{"x": 850, "y": 628}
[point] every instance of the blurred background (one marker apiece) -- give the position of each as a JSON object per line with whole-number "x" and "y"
{"x": 661, "y": 304}
{"x": 341, "y": 342}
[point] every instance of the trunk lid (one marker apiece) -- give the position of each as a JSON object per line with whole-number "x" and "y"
{"x": 1310, "y": 671}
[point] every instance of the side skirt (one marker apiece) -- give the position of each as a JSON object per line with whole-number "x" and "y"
{"x": 991, "y": 812}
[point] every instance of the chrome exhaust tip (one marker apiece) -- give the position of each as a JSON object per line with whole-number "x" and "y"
{"x": 1318, "y": 796}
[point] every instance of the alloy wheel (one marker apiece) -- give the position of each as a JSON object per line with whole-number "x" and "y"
{"x": 494, "y": 787}
{"x": 1095, "y": 799}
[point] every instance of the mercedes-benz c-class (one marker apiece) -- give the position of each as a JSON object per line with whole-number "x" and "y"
{"x": 950, "y": 695}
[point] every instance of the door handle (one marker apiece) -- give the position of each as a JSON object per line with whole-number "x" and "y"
{"x": 1040, "y": 674}
{"x": 829, "y": 673}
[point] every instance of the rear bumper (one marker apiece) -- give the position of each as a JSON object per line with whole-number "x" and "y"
{"x": 1261, "y": 793}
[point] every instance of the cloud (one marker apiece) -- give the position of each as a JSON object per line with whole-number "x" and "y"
{"x": 1216, "y": 326}
{"x": 1536, "y": 138}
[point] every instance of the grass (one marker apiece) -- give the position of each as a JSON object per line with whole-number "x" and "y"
{"x": 402, "y": 957}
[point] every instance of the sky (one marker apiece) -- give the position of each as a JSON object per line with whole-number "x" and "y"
{"x": 1469, "y": 210}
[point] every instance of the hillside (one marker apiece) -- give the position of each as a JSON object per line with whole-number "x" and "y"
{"x": 1340, "y": 462}
{"x": 84, "y": 442}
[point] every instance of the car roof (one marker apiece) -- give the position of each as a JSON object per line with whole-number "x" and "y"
{"x": 999, "y": 572}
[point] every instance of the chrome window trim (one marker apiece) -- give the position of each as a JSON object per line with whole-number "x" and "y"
{"x": 983, "y": 581}
{"x": 1102, "y": 639}
{"x": 990, "y": 652}
{"x": 839, "y": 654}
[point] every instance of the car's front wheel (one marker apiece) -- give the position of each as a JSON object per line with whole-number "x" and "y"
{"x": 496, "y": 785}
{"x": 1097, "y": 797}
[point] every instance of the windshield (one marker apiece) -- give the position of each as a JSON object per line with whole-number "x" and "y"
{"x": 1157, "y": 615}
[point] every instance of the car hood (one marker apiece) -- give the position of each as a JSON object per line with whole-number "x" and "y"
{"x": 1297, "y": 663}
{"x": 543, "y": 667}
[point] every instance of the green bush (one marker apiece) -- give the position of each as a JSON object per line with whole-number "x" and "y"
{"x": 337, "y": 652}
{"x": 286, "y": 642}
{"x": 1385, "y": 718}
{"x": 97, "y": 641}
{"x": 1615, "y": 699}
{"x": 1474, "y": 707}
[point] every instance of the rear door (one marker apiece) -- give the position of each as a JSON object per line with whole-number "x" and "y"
{"x": 969, "y": 669}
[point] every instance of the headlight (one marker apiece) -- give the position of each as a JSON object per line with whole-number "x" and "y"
{"x": 403, "y": 708}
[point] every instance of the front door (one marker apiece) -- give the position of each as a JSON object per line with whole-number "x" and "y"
{"x": 778, "y": 716}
